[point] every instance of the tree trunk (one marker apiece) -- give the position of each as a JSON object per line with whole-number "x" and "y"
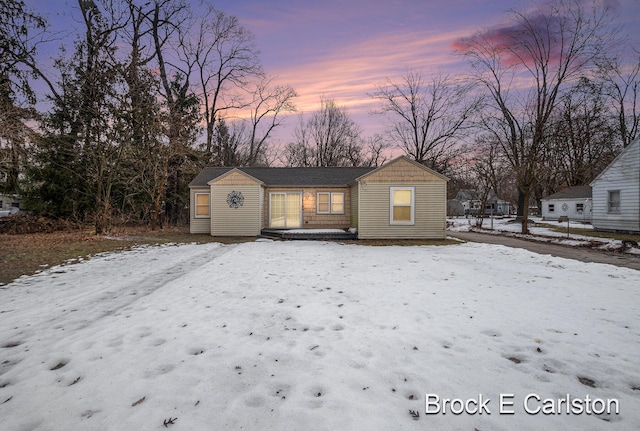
{"x": 525, "y": 209}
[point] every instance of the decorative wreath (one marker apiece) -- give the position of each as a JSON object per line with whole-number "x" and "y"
{"x": 565, "y": 207}
{"x": 235, "y": 199}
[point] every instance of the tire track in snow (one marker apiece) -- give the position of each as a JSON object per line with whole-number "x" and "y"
{"x": 104, "y": 292}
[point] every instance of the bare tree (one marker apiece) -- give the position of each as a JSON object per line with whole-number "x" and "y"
{"x": 225, "y": 57}
{"x": 582, "y": 139}
{"x": 328, "y": 138}
{"x": 14, "y": 135}
{"x": 371, "y": 152}
{"x": 17, "y": 49}
{"x": 268, "y": 104}
{"x": 427, "y": 120}
{"x": 170, "y": 23}
{"x": 523, "y": 67}
{"x": 622, "y": 86}
{"x": 488, "y": 170}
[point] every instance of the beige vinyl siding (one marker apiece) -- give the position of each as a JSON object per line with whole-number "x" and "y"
{"x": 235, "y": 178}
{"x": 354, "y": 206}
{"x": 200, "y": 224}
{"x": 402, "y": 172}
{"x": 242, "y": 221}
{"x": 430, "y": 211}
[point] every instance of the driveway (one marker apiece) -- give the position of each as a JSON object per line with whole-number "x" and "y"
{"x": 569, "y": 252}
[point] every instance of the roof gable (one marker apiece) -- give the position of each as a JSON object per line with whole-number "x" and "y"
{"x": 575, "y": 192}
{"x": 235, "y": 176}
{"x": 409, "y": 165}
{"x": 207, "y": 174}
{"x": 631, "y": 147}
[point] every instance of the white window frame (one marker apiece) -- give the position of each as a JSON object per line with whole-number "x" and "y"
{"x": 579, "y": 207}
{"x": 412, "y": 205}
{"x": 330, "y": 195}
{"x": 286, "y": 193}
{"x": 552, "y": 208}
{"x": 610, "y": 208}
{"x": 195, "y": 205}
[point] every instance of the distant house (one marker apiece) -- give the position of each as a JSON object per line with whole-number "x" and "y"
{"x": 401, "y": 199}
{"x": 9, "y": 204}
{"x": 616, "y": 193}
{"x": 468, "y": 202}
{"x": 573, "y": 203}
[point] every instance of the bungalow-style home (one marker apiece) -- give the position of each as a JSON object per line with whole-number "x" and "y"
{"x": 401, "y": 199}
{"x": 616, "y": 193}
{"x": 573, "y": 203}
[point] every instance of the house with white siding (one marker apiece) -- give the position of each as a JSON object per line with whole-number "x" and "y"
{"x": 573, "y": 203}
{"x": 616, "y": 193}
{"x": 401, "y": 199}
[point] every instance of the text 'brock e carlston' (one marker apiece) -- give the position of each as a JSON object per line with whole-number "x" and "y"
{"x": 532, "y": 404}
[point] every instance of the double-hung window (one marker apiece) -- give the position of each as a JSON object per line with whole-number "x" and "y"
{"x": 330, "y": 203}
{"x": 402, "y": 205}
{"x": 202, "y": 205}
{"x": 613, "y": 202}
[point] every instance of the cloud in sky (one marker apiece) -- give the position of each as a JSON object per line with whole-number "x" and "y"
{"x": 351, "y": 72}
{"x": 342, "y": 49}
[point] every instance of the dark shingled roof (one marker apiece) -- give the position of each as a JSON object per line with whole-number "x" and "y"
{"x": 294, "y": 177}
{"x": 575, "y": 192}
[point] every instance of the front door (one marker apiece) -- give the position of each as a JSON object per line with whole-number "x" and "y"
{"x": 285, "y": 210}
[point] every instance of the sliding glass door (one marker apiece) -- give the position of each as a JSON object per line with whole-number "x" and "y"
{"x": 285, "y": 210}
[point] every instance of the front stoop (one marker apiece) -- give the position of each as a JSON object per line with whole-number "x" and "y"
{"x": 310, "y": 235}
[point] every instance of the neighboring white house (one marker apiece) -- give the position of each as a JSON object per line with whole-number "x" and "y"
{"x": 574, "y": 203}
{"x": 616, "y": 193}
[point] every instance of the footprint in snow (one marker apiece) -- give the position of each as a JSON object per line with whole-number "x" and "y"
{"x": 196, "y": 351}
{"x": 159, "y": 370}
{"x": 59, "y": 364}
{"x": 158, "y": 342}
{"x": 412, "y": 396}
{"x": 280, "y": 390}
{"x": 491, "y": 333}
{"x": 254, "y": 401}
{"x": 11, "y": 344}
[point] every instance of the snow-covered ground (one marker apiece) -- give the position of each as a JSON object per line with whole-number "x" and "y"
{"x": 318, "y": 336}
{"x": 541, "y": 232}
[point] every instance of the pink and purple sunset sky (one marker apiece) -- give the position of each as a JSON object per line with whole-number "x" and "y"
{"x": 342, "y": 48}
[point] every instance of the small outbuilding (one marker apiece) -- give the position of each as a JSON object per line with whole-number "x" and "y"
{"x": 400, "y": 199}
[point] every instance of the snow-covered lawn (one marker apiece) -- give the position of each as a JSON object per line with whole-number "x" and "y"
{"x": 318, "y": 336}
{"x": 541, "y": 232}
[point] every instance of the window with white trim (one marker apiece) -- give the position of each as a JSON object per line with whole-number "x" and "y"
{"x": 202, "y": 205}
{"x": 402, "y": 205}
{"x": 552, "y": 208}
{"x": 579, "y": 208}
{"x": 330, "y": 203}
{"x": 613, "y": 202}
